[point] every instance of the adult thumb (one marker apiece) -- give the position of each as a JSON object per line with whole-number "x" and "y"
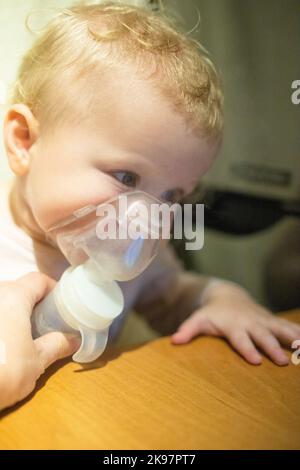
{"x": 56, "y": 345}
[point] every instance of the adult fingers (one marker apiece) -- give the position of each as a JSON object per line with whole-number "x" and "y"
{"x": 56, "y": 345}
{"x": 35, "y": 286}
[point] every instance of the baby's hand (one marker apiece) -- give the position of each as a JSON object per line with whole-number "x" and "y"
{"x": 23, "y": 359}
{"x": 230, "y": 312}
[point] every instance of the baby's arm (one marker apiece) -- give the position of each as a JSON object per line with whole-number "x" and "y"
{"x": 183, "y": 304}
{"x": 169, "y": 293}
{"x": 23, "y": 359}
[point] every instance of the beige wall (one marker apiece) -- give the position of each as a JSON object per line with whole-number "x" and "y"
{"x": 255, "y": 45}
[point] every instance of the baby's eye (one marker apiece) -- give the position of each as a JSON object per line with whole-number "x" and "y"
{"x": 127, "y": 178}
{"x": 172, "y": 196}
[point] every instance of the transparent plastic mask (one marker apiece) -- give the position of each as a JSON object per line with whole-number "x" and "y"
{"x": 122, "y": 235}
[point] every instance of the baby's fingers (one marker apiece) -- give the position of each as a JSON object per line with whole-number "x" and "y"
{"x": 195, "y": 325}
{"x": 267, "y": 342}
{"x": 285, "y": 331}
{"x": 242, "y": 343}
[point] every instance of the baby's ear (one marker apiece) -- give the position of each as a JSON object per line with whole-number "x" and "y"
{"x": 20, "y": 131}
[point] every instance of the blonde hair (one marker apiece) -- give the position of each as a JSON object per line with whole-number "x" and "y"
{"x": 94, "y": 38}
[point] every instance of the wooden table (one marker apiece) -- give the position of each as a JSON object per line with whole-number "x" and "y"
{"x": 158, "y": 396}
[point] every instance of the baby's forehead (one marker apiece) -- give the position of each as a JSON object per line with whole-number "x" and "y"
{"x": 132, "y": 109}
{"x": 125, "y": 110}
{"x": 130, "y": 102}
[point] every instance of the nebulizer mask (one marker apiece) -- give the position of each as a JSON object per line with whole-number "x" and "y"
{"x": 114, "y": 241}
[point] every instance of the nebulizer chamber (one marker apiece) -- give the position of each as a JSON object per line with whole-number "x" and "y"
{"x": 88, "y": 297}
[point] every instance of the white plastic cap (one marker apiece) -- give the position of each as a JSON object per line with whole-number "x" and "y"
{"x": 88, "y": 307}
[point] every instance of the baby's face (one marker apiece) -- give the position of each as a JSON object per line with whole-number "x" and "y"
{"x": 132, "y": 140}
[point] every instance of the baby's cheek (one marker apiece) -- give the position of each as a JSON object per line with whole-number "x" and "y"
{"x": 55, "y": 202}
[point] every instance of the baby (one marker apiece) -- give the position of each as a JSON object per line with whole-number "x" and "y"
{"x": 112, "y": 98}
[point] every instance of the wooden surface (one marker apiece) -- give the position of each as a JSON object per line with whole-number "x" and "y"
{"x": 159, "y": 396}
